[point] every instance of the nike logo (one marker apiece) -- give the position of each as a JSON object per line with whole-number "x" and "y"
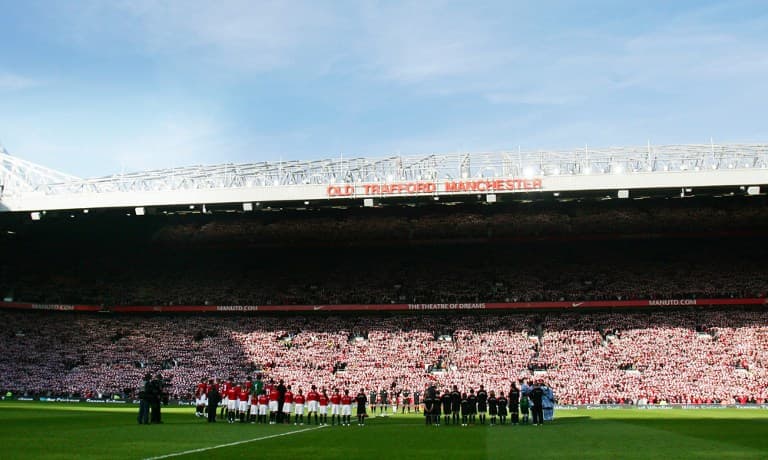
{"x": 577, "y": 304}
{"x": 318, "y": 307}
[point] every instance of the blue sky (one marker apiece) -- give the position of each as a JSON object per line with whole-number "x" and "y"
{"x": 95, "y": 87}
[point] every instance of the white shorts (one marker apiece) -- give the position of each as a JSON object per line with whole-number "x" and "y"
{"x": 232, "y": 405}
{"x": 287, "y": 408}
{"x": 323, "y": 410}
{"x": 312, "y": 406}
{"x": 299, "y": 409}
{"x": 255, "y": 409}
{"x": 224, "y": 401}
{"x": 203, "y": 400}
{"x": 335, "y": 409}
{"x": 262, "y": 409}
{"x": 243, "y": 406}
{"x": 346, "y": 409}
{"x": 273, "y": 406}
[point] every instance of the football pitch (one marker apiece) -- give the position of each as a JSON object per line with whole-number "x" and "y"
{"x": 65, "y": 431}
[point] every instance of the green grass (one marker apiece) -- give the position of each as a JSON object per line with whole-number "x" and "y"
{"x": 61, "y": 431}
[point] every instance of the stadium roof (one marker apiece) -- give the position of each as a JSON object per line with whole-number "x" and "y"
{"x": 25, "y": 186}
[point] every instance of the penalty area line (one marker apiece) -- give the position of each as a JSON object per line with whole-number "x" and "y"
{"x": 230, "y": 444}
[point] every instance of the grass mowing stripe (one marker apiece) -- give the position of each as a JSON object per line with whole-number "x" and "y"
{"x": 230, "y": 444}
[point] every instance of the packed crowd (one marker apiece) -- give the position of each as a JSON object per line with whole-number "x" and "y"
{"x": 675, "y": 356}
{"x": 551, "y": 271}
{"x": 543, "y": 251}
{"x": 468, "y": 221}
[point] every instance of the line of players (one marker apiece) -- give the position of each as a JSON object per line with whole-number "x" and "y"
{"x": 470, "y": 408}
{"x": 275, "y": 403}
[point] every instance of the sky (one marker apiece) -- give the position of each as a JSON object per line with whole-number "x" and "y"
{"x": 93, "y": 88}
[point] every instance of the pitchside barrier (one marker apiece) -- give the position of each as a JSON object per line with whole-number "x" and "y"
{"x": 587, "y": 304}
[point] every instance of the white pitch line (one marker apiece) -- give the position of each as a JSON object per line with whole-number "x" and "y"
{"x": 236, "y": 443}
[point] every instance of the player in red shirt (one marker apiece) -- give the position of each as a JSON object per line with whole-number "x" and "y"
{"x": 273, "y": 396}
{"x": 288, "y": 404}
{"x": 200, "y": 398}
{"x": 298, "y": 402}
{"x": 312, "y": 404}
{"x": 323, "y": 409}
{"x": 248, "y": 384}
{"x": 346, "y": 408}
{"x": 232, "y": 395}
{"x": 224, "y": 390}
{"x": 254, "y": 409}
{"x": 262, "y": 408}
{"x": 335, "y": 407}
{"x": 242, "y": 403}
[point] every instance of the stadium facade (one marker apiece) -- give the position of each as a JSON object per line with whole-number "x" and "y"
{"x": 622, "y": 172}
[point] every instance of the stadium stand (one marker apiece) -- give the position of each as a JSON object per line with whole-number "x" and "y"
{"x": 589, "y": 358}
{"x": 655, "y": 249}
{"x": 546, "y": 271}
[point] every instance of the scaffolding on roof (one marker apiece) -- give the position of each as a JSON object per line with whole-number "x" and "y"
{"x": 18, "y": 176}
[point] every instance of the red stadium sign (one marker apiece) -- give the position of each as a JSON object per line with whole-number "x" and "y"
{"x": 419, "y": 187}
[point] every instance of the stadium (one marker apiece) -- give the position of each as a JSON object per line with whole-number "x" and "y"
{"x": 629, "y": 280}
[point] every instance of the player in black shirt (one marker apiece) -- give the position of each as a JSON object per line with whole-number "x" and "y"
{"x": 465, "y": 409}
{"x": 446, "y": 401}
{"x": 455, "y": 404}
{"x": 383, "y": 401}
{"x": 502, "y": 402}
{"x": 361, "y": 401}
{"x": 436, "y": 409}
{"x": 472, "y": 405}
{"x": 514, "y": 404}
{"x": 536, "y": 395}
{"x": 372, "y": 401}
{"x": 482, "y": 404}
{"x": 428, "y": 407}
{"x": 493, "y": 407}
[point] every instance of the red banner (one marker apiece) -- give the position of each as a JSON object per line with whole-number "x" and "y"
{"x": 50, "y": 307}
{"x": 587, "y": 304}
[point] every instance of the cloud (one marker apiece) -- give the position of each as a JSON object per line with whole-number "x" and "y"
{"x": 14, "y": 82}
{"x": 230, "y": 34}
{"x": 420, "y": 41}
{"x": 169, "y": 141}
{"x": 160, "y": 141}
